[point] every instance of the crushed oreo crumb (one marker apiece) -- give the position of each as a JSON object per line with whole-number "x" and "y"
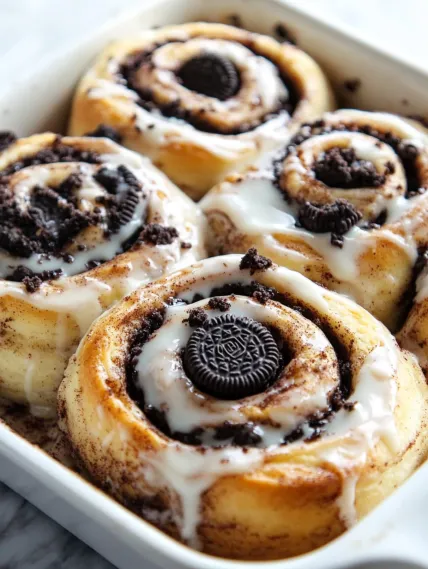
{"x": 336, "y": 218}
{"x": 68, "y": 258}
{"x": 45, "y": 227}
{"x": 220, "y": 304}
{"x": 105, "y": 131}
{"x": 262, "y": 293}
{"x": 157, "y": 234}
{"x": 244, "y": 434}
{"x": 57, "y": 152}
{"x": 197, "y": 317}
{"x": 408, "y": 151}
{"x": 341, "y": 168}
{"x": 185, "y": 245}
{"x": 255, "y": 262}
{"x": 72, "y": 183}
{"x": 31, "y": 280}
{"x": 32, "y": 284}
{"x": 93, "y": 264}
{"x": 389, "y": 167}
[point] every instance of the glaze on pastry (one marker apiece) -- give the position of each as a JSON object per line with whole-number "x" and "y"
{"x": 200, "y": 99}
{"x": 83, "y": 222}
{"x": 344, "y": 203}
{"x": 331, "y": 416}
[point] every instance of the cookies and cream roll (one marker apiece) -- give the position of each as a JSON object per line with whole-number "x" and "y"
{"x": 83, "y": 221}
{"x": 200, "y": 99}
{"x": 344, "y": 203}
{"x": 244, "y": 409}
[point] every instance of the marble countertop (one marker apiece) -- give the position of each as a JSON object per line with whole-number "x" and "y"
{"x": 28, "y": 30}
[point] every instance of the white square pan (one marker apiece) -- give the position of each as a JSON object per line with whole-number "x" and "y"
{"x": 395, "y": 535}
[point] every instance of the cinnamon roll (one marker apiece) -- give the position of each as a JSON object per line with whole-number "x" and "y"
{"x": 244, "y": 409}
{"x": 344, "y": 203}
{"x": 200, "y": 99}
{"x": 83, "y": 221}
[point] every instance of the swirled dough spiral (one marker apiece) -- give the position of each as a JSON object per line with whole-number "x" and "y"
{"x": 200, "y": 99}
{"x": 344, "y": 203}
{"x": 83, "y": 222}
{"x": 276, "y": 473}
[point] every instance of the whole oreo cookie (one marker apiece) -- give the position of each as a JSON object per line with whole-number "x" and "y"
{"x": 211, "y": 75}
{"x": 232, "y": 357}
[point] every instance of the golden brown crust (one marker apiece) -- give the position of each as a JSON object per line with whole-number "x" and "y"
{"x": 291, "y": 502}
{"x": 194, "y": 160}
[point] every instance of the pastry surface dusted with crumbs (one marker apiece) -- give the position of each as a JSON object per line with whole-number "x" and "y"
{"x": 83, "y": 222}
{"x": 201, "y": 99}
{"x": 244, "y": 409}
{"x": 344, "y": 203}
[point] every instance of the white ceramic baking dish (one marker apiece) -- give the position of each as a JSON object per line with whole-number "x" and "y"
{"x": 395, "y": 535}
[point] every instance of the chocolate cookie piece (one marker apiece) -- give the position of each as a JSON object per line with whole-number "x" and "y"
{"x": 197, "y": 317}
{"x": 210, "y": 75}
{"x": 105, "y": 131}
{"x": 341, "y": 168}
{"x": 217, "y": 303}
{"x": 336, "y": 218}
{"x": 157, "y": 234}
{"x": 124, "y": 194}
{"x": 255, "y": 262}
{"x": 232, "y": 357}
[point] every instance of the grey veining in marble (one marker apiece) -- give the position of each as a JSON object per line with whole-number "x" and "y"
{"x": 31, "y": 540}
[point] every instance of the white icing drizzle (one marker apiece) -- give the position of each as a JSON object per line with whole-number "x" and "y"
{"x": 66, "y": 297}
{"x": 80, "y": 299}
{"x": 260, "y": 80}
{"x": 262, "y": 85}
{"x": 166, "y": 386}
{"x": 256, "y": 207}
{"x": 190, "y": 473}
{"x": 347, "y": 440}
